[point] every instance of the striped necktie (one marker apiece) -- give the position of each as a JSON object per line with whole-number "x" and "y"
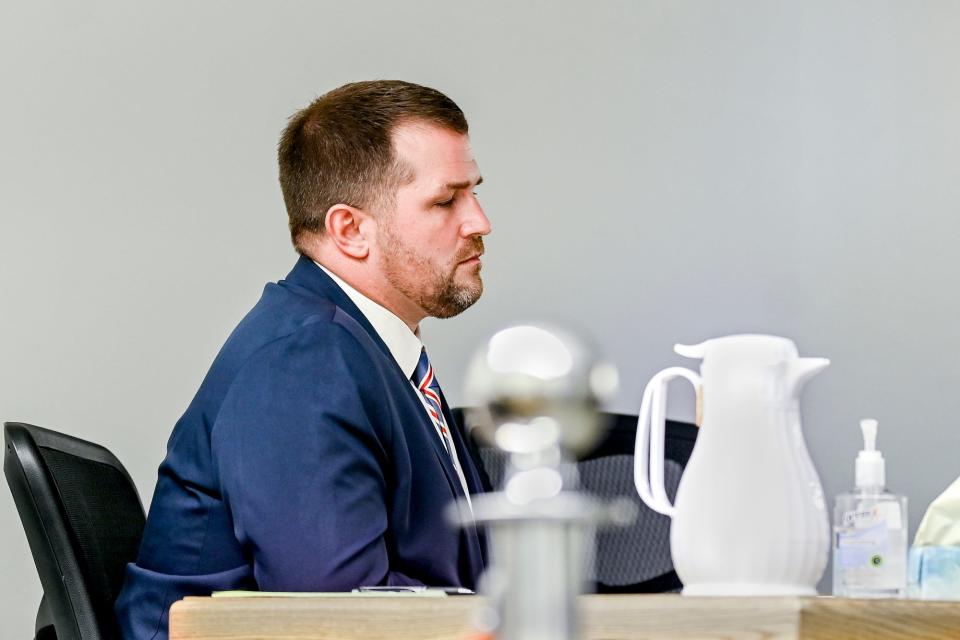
{"x": 426, "y": 383}
{"x": 428, "y": 387}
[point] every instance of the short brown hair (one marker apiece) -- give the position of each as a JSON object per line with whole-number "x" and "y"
{"x": 338, "y": 149}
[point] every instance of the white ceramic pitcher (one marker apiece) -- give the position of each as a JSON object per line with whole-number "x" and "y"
{"x": 749, "y": 516}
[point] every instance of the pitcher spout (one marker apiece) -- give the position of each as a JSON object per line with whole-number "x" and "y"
{"x": 801, "y": 370}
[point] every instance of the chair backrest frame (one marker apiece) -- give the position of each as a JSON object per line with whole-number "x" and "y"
{"x": 68, "y": 600}
{"x": 619, "y": 440}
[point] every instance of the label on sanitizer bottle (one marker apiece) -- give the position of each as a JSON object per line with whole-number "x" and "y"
{"x": 870, "y": 548}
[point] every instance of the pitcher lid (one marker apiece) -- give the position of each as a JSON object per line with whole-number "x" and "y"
{"x": 751, "y": 346}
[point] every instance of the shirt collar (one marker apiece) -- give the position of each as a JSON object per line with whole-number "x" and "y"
{"x": 404, "y": 345}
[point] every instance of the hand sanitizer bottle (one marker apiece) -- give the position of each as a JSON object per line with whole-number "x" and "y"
{"x": 870, "y": 531}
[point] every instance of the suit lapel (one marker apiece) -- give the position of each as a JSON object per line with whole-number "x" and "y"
{"x": 476, "y": 541}
{"x": 473, "y": 538}
{"x": 464, "y": 455}
{"x": 443, "y": 457}
{"x": 307, "y": 275}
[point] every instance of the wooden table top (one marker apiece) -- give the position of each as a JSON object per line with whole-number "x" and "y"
{"x": 605, "y": 617}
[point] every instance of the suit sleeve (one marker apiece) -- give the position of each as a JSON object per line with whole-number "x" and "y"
{"x": 300, "y": 448}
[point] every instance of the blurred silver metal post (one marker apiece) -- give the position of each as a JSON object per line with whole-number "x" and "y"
{"x": 537, "y": 390}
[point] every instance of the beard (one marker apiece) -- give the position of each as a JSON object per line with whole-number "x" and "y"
{"x": 432, "y": 287}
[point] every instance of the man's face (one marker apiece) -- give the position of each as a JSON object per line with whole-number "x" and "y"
{"x": 430, "y": 244}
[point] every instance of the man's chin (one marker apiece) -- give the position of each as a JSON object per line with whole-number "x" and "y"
{"x": 458, "y": 300}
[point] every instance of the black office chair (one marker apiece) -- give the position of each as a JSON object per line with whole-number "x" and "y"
{"x": 633, "y": 559}
{"x": 83, "y": 519}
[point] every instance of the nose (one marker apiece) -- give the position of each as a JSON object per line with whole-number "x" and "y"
{"x": 476, "y": 223}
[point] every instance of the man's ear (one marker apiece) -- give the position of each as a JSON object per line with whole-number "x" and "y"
{"x": 345, "y": 229}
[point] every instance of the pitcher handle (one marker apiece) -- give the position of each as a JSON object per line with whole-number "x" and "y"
{"x": 648, "y": 456}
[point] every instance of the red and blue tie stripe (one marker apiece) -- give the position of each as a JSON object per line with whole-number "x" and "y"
{"x": 427, "y": 384}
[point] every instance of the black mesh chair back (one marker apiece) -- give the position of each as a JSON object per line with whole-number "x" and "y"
{"x": 633, "y": 559}
{"x": 83, "y": 519}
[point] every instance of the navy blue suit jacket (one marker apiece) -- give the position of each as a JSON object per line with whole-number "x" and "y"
{"x": 306, "y": 462}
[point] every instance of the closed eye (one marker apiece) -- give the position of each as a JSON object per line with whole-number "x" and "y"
{"x": 446, "y": 203}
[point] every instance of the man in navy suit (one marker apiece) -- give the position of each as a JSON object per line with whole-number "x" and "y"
{"x": 319, "y": 453}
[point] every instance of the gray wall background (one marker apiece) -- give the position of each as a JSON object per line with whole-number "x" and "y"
{"x": 655, "y": 172}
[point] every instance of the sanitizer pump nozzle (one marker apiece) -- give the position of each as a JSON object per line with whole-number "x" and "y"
{"x": 870, "y": 467}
